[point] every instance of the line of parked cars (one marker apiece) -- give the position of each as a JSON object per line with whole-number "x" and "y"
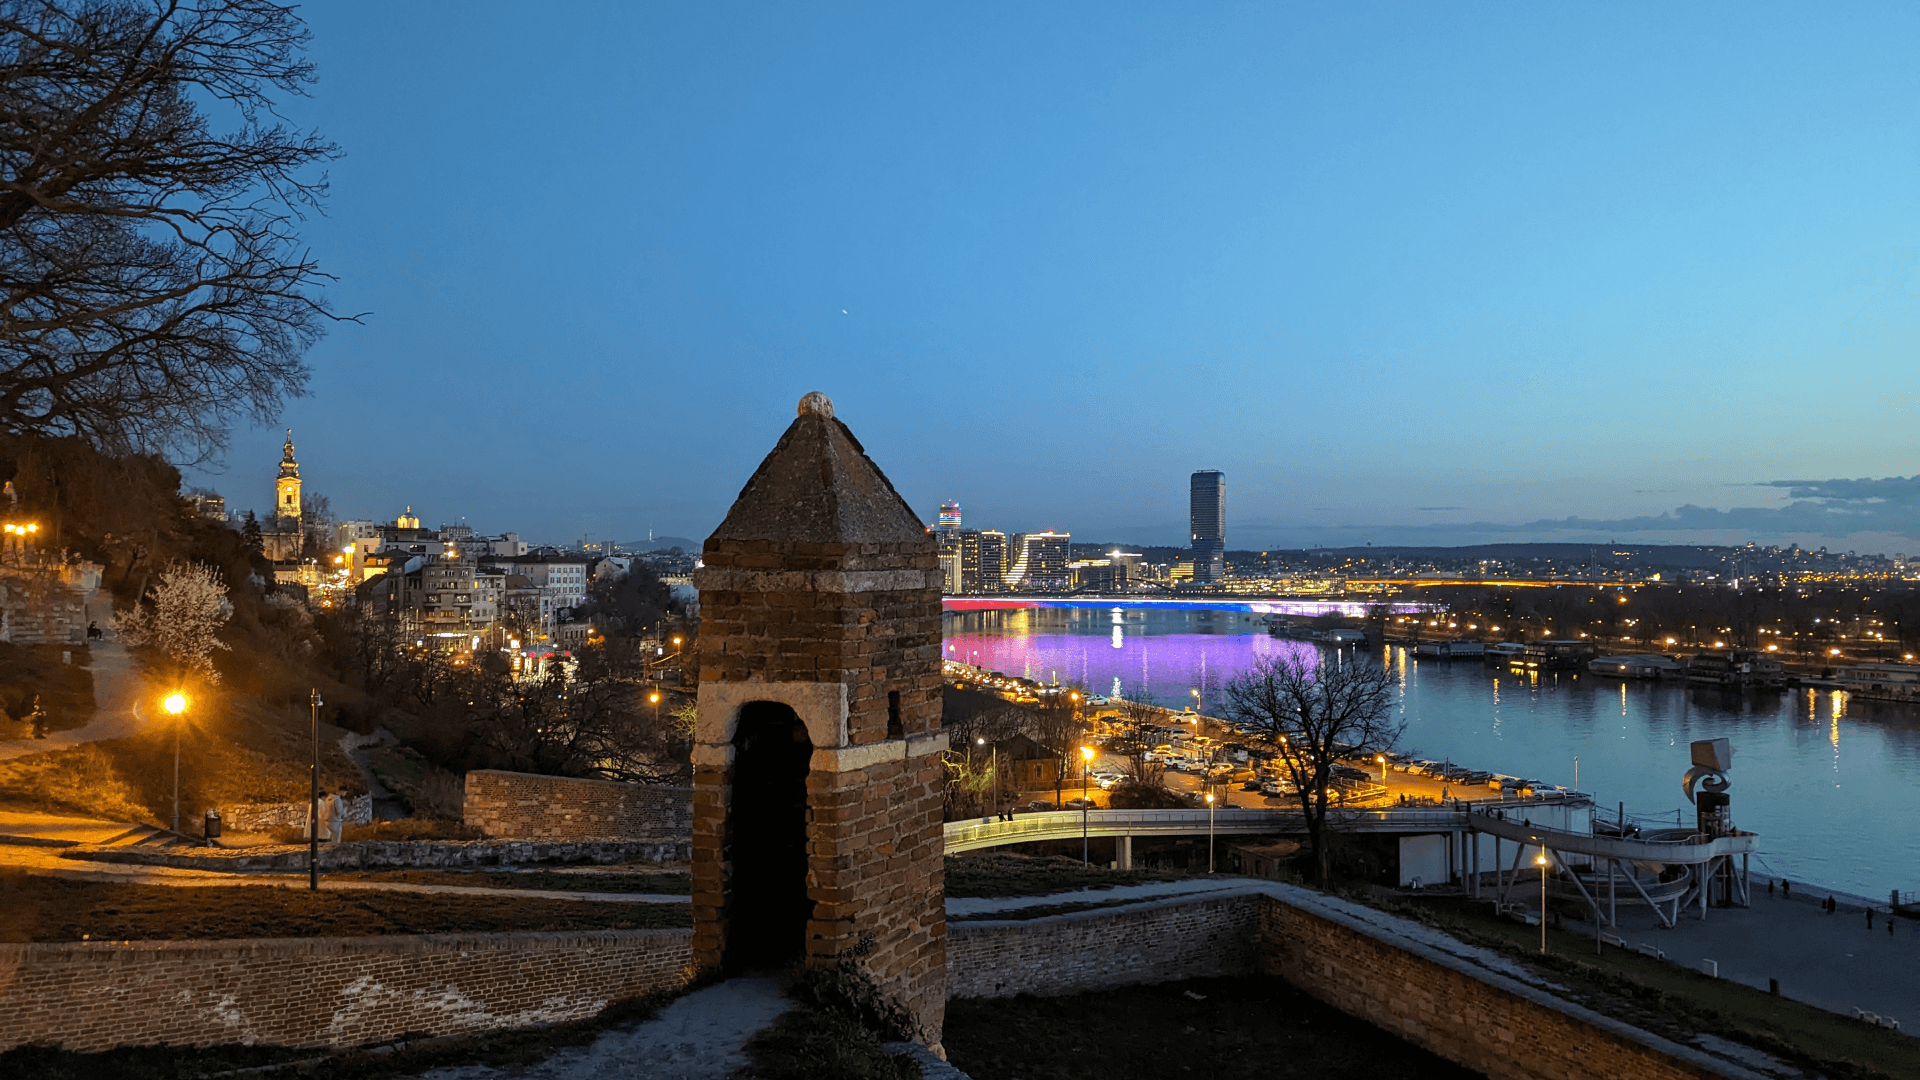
{"x": 1458, "y": 774}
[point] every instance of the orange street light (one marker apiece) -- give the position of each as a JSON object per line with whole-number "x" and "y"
{"x": 176, "y": 706}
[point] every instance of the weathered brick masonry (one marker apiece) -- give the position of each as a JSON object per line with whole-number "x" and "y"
{"x": 322, "y": 991}
{"x": 525, "y": 806}
{"x": 820, "y": 592}
{"x": 1479, "y": 1018}
{"x": 1453, "y": 999}
{"x": 1094, "y": 950}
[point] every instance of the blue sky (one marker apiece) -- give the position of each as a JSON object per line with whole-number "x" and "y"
{"x": 1451, "y": 272}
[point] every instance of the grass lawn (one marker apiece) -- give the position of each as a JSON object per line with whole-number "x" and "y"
{"x": 65, "y": 690}
{"x": 1252, "y": 1027}
{"x": 1674, "y": 1001}
{"x": 999, "y": 874}
{"x": 35, "y": 908}
{"x": 668, "y": 882}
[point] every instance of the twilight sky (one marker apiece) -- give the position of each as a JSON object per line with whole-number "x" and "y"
{"x": 1405, "y": 272}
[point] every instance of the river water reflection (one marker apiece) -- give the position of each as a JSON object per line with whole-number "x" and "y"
{"x": 1831, "y": 785}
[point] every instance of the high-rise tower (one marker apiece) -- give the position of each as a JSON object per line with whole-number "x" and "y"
{"x": 286, "y": 488}
{"x": 1207, "y": 516}
{"x": 949, "y": 518}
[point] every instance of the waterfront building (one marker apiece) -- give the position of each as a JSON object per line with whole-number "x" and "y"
{"x": 1207, "y": 519}
{"x": 1040, "y": 562}
{"x": 983, "y": 561}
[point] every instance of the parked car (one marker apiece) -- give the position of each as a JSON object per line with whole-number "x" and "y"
{"x": 1347, "y": 772}
{"x": 1251, "y": 785}
{"x": 1039, "y": 806}
{"x": 1080, "y": 804}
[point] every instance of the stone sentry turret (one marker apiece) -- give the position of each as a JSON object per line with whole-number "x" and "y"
{"x": 817, "y": 801}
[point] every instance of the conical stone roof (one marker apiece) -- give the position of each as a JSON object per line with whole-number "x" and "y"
{"x": 819, "y": 487}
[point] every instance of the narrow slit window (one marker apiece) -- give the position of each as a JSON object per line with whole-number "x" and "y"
{"x": 895, "y": 730}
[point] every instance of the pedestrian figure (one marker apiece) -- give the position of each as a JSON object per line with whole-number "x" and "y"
{"x": 93, "y": 631}
{"x": 337, "y": 816}
{"x": 1786, "y": 887}
{"x": 323, "y": 815}
{"x": 38, "y": 718}
{"x": 1869, "y": 918}
{"x": 1769, "y": 886}
{"x": 1833, "y": 906}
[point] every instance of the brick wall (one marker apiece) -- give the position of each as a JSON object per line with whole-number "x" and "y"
{"x": 1461, "y": 1002}
{"x": 526, "y": 806}
{"x": 1397, "y": 976}
{"x": 1094, "y": 950}
{"x": 322, "y": 991}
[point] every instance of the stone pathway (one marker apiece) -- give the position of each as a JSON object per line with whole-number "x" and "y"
{"x": 702, "y": 1036}
{"x": 117, "y": 686}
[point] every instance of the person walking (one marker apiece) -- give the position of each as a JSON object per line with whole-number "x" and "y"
{"x": 324, "y": 819}
{"x": 337, "y": 816}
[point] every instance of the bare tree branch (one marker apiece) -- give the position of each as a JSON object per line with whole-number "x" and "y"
{"x": 1315, "y": 709}
{"x": 152, "y": 287}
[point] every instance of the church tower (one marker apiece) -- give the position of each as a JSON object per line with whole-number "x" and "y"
{"x": 286, "y": 488}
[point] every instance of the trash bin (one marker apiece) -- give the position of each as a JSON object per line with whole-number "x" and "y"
{"x": 213, "y": 825}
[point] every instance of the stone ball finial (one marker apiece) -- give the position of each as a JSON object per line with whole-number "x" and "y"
{"x": 815, "y": 403}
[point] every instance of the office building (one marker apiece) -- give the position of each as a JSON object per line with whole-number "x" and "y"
{"x": 1207, "y": 516}
{"x": 1040, "y": 562}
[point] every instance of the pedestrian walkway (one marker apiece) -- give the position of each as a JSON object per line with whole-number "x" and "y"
{"x": 25, "y": 827}
{"x": 117, "y": 689}
{"x": 702, "y": 1036}
{"x": 1831, "y": 961}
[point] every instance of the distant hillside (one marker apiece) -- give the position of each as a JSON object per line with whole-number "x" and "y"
{"x": 662, "y": 543}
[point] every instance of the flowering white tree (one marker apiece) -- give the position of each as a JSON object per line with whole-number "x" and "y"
{"x": 189, "y": 606}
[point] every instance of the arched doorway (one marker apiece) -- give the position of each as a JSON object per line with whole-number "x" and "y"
{"x": 767, "y": 902}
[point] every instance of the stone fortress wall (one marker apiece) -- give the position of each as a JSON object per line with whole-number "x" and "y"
{"x": 1459, "y": 1002}
{"x": 322, "y": 992}
{"x": 526, "y": 806}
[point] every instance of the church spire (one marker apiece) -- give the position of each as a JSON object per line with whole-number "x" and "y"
{"x": 286, "y": 488}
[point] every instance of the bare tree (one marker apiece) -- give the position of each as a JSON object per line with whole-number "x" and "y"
{"x": 1060, "y": 726}
{"x": 152, "y": 287}
{"x": 1135, "y": 735}
{"x": 1315, "y": 709}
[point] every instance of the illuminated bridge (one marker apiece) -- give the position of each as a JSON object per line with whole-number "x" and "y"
{"x": 1250, "y": 605}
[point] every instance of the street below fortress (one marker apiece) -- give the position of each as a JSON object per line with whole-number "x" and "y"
{"x": 1828, "y": 783}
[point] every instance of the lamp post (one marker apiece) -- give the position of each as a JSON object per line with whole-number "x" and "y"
{"x": 1382, "y": 759}
{"x": 176, "y": 706}
{"x": 313, "y": 798}
{"x": 1210, "y": 807}
{"x": 1086, "y": 763}
{"x": 1541, "y": 859}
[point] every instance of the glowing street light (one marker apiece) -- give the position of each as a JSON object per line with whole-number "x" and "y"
{"x": 1210, "y": 807}
{"x": 1086, "y": 764}
{"x": 1541, "y": 861}
{"x": 176, "y": 706}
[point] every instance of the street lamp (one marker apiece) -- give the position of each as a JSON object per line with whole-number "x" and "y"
{"x": 1541, "y": 860}
{"x": 1382, "y": 759}
{"x": 1086, "y": 763}
{"x": 176, "y": 706}
{"x": 1210, "y": 807}
{"x": 313, "y": 803}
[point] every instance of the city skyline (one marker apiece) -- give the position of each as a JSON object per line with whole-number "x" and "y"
{"x": 1403, "y": 274}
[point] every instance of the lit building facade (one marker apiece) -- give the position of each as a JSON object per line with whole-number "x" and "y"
{"x": 1040, "y": 562}
{"x": 1207, "y": 517}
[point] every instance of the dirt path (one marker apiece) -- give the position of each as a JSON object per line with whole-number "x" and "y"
{"x": 117, "y": 689}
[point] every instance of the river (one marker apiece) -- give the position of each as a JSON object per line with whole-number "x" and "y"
{"x": 1832, "y": 785}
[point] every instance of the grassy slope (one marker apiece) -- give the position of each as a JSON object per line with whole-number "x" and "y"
{"x": 65, "y": 690}
{"x": 998, "y": 874}
{"x": 58, "y": 909}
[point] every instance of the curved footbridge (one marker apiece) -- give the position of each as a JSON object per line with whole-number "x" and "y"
{"x": 1670, "y": 870}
